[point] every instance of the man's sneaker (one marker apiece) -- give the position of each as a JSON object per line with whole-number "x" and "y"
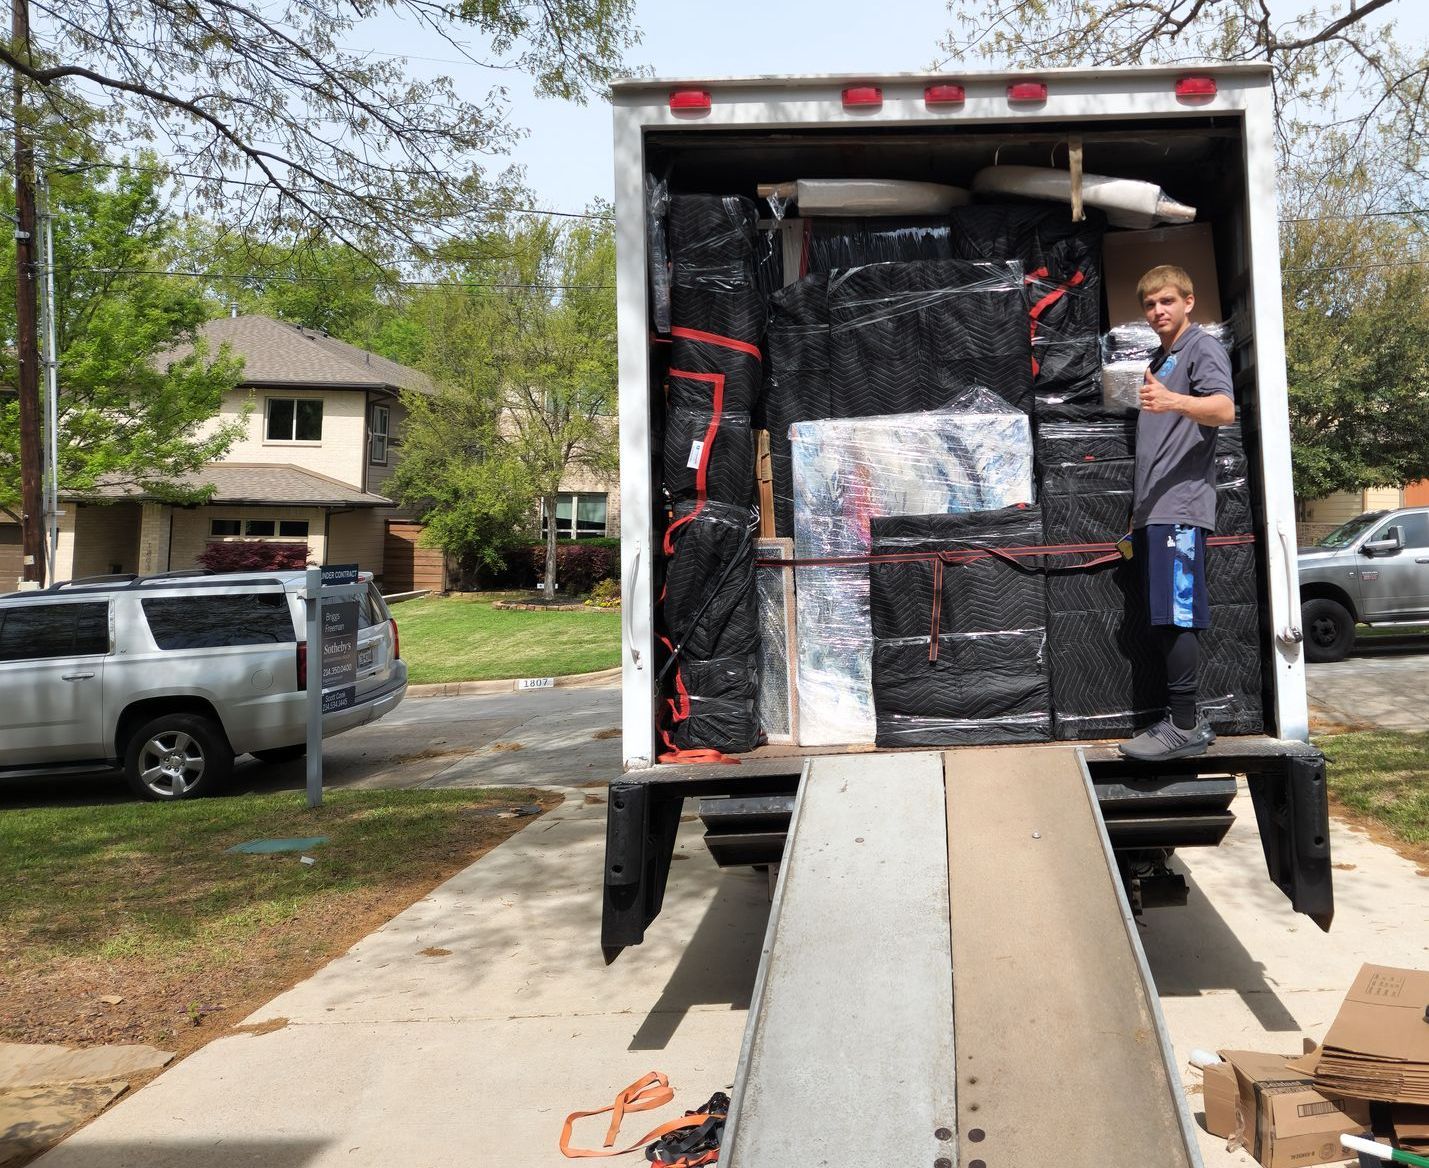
{"x": 1166, "y": 740}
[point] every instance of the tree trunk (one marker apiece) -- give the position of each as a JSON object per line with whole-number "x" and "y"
{"x": 549, "y": 502}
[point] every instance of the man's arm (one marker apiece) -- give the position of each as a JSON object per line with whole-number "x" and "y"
{"x": 1212, "y": 409}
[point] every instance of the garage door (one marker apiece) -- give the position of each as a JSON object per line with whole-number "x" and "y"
{"x": 406, "y": 564}
{"x": 12, "y": 557}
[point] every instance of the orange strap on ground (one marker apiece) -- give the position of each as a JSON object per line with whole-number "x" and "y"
{"x": 644, "y": 1094}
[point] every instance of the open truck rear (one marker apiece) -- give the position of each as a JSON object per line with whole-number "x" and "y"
{"x": 1204, "y": 135}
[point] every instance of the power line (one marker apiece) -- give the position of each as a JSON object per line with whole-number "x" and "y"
{"x": 242, "y": 182}
{"x": 1359, "y": 267}
{"x": 193, "y": 275}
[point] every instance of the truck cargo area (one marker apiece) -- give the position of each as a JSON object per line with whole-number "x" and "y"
{"x": 987, "y": 1000}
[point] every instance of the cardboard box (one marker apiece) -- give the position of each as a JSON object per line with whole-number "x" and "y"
{"x": 1378, "y": 1045}
{"x": 1129, "y": 255}
{"x": 1218, "y": 1090}
{"x": 1281, "y": 1119}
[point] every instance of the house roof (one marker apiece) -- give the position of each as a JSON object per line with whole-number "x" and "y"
{"x": 266, "y": 484}
{"x": 276, "y": 353}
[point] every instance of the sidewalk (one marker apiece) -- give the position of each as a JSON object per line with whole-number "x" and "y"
{"x": 399, "y": 1053}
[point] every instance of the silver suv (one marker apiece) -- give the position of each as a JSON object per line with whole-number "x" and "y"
{"x": 171, "y": 677}
{"x": 1372, "y": 570}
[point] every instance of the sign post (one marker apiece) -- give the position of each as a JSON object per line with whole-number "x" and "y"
{"x": 331, "y": 599}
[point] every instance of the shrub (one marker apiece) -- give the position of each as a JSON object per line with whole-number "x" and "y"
{"x": 253, "y": 555}
{"x": 579, "y": 566}
{"x": 606, "y": 594}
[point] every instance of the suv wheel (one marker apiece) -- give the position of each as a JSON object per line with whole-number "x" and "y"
{"x": 1329, "y": 630}
{"x": 177, "y": 756}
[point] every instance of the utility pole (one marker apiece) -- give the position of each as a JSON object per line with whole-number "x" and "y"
{"x": 27, "y": 344}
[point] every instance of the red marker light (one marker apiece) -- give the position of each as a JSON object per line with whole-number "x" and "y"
{"x": 944, "y": 95}
{"x": 863, "y": 95}
{"x": 1196, "y": 87}
{"x": 689, "y": 99}
{"x": 1027, "y": 91}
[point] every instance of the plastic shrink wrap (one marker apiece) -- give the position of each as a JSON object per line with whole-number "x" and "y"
{"x": 1126, "y": 351}
{"x": 975, "y": 455}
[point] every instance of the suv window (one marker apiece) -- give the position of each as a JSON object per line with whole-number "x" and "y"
{"x": 37, "y": 631}
{"x": 371, "y": 609}
{"x": 206, "y": 622}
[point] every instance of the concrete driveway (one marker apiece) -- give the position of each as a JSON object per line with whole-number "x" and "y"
{"x": 1380, "y": 685}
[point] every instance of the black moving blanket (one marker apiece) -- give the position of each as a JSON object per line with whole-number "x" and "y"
{"x": 886, "y": 339}
{"x": 708, "y": 602}
{"x": 987, "y": 679}
{"x": 1062, "y": 288}
{"x": 1108, "y": 677}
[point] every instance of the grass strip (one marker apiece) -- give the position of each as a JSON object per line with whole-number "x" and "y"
{"x": 153, "y": 880}
{"x": 452, "y": 639}
{"x": 1382, "y": 775}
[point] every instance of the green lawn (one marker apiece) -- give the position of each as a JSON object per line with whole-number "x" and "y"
{"x": 154, "y": 880}
{"x": 1383, "y": 775}
{"x": 456, "y": 639}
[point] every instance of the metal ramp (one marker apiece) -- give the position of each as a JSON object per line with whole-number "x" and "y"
{"x": 952, "y": 976}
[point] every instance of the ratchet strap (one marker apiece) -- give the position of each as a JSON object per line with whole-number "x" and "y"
{"x": 645, "y": 1094}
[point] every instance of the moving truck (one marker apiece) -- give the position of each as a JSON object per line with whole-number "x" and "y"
{"x": 1205, "y": 136}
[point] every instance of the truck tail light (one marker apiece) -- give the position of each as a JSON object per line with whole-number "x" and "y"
{"x": 396, "y": 640}
{"x": 689, "y": 99}
{"x": 1196, "y": 87}
{"x": 863, "y": 95}
{"x": 944, "y": 95}
{"x": 1027, "y": 91}
{"x": 302, "y": 665}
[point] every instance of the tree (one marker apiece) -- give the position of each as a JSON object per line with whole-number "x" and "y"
{"x": 554, "y": 358}
{"x": 1334, "y": 68}
{"x": 280, "y": 127}
{"x": 523, "y": 342}
{"x": 1356, "y": 300}
{"x": 124, "y": 421}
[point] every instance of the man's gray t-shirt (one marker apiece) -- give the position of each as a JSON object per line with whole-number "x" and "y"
{"x": 1176, "y": 457}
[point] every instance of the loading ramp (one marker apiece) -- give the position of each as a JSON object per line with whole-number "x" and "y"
{"x": 952, "y": 975}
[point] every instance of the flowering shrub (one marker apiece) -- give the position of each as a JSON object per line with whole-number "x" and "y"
{"x": 253, "y": 555}
{"x": 606, "y": 594}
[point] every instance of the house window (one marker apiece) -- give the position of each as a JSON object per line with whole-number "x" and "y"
{"x": 295, "y": 419}
{"x": 377, "y": 441}
{"x": 587, "y": 511}
{"x": 225, "y": 527}
{"x": 259, "y": 527}
{"x": 293, "y": 528}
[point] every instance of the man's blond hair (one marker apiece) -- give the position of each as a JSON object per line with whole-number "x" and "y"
{"x": 1164, "y": 276}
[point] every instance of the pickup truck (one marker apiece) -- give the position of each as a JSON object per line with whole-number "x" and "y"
{"x": 1372, "y": 570}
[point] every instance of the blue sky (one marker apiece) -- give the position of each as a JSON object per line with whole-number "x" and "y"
{"x": 567, "y": 152}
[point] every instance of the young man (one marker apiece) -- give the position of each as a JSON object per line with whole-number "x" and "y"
{"x": 1187, "y": 394}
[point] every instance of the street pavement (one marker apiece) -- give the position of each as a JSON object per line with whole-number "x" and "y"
{"x": 1381, "y": 685}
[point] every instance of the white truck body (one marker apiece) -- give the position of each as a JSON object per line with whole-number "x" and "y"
{"x": 1132, "y": 122}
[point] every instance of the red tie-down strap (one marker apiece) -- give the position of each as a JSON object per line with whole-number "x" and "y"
{"x": 645, "y": 1094}
{"x": 1045, "y": 303}
{"x": 716, "y": 380}
{"x": 679, "y": 709}
{"x": 1100, "y": 553}
{"x": 689, "y": 334}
